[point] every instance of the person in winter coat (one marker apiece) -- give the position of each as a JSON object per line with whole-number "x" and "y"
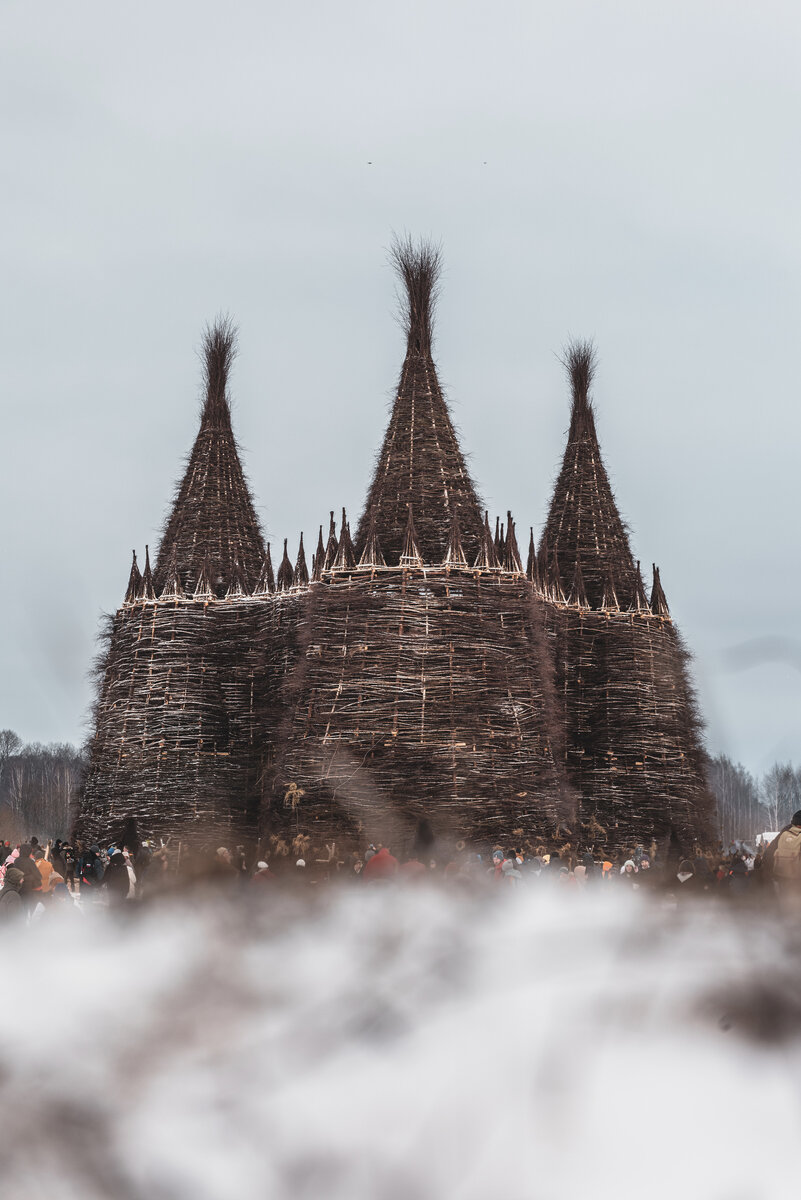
{"x": 91, "y": 872}
{"x": 510, "y": 871}
{"x": 382, "y": 866}
{"x": 628, "y": 873}
{"x": 5, "y": 850}
{"x": 736, "y": 882}
{"x": 116, "y": 880}
{"x": 591, "y": 871}
{"x": 783, "y": 855}
{"x": 12, "y": 907}
{"x": 414, "y": 870}
{"x": 32, "y": 880}
{"x": 9, "y": 862}
{"x": 263, "y": 874}
{"x": 44, "y": 867}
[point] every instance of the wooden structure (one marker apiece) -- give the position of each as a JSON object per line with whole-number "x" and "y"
{"x": 418, "y": 671}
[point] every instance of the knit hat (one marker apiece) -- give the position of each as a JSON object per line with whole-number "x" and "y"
{"x": 262, "y": 866}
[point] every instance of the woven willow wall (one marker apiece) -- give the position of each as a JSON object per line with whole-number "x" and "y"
{"x": 632, "y": 742}
{"x": 421, "y": 693}
{"x": 188, "y": 696}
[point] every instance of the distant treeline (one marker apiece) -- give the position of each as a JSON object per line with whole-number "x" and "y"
{"x": 37, "y": 786}
{"x": 749, "y": 805}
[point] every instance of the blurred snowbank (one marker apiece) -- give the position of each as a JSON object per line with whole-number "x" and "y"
{"x": 373, "y": 1044}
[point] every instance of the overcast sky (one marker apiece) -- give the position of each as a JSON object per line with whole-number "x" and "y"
{"x": 623, "y": 170}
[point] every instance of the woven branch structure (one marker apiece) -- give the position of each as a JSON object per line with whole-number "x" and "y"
{"x": 421, "y": 671}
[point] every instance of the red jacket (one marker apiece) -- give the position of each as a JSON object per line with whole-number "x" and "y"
{"x": 381, "y": 866}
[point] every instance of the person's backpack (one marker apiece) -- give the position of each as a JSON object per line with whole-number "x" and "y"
{"x": 787, "y": 858}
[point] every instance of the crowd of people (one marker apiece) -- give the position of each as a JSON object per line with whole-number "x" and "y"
{"x": 36, "y": 879}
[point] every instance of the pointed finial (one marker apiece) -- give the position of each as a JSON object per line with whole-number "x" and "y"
{"x": 301, "y": 570}
{"x": 285, "y": 573}
{"x": 410, "y": 556}
{"x": 332, "y": 546}
{"x": 418, "y": 266}
{"x": 134, "y": 590}
{"x": 204, "y": 588}
{"x": 609, "y": 600}
{"x": 346, "y": 555}
{"x": 578, "y": 592}
{"x": 148, "y": 592}
{"x": 319, "y": 558}
{"x": 237, "y": 585}
{"x": 659, "y": 604}
{"x": 640, "y": 601}
{"x": 219, "y": 352}
{"x": 542, "y": 563}
{"x": 580, "y": 360}
{"x": 372, "y": 555}
{"x": 486, "y": 559}
{"x": 454, "y": 555}
{"x": 532, "y": 574}
{"x": 511, "y": 554}
{"x": 173, "y": 588}
{"x": 266, "y": 583}
{"x": 555, "y": 581}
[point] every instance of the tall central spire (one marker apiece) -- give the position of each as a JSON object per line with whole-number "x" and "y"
{"x": 213, "y": 517}
{"x": 421, "y": 464}
{"x": 584, "y": 529}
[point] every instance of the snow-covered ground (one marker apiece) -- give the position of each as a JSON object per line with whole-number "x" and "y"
{"x": 381, "y": 1045}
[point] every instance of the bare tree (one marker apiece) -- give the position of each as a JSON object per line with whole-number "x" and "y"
{"x": 37, "y": 787}
{"x": 740, "y": 813}
{"x": 780, "y": 791}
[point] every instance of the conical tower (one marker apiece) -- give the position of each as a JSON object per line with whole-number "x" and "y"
{"x": 584, "y": 525}
{"x": 213, "y": 513}
{"x": 421, "y": 464}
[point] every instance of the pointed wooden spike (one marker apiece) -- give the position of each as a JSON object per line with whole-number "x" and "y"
{"x": 640, "y": 601}
{"x": 578, "y": 593}
{"x": 148, "y": 592}
{"x": 266, "y": 582}
{"x": 204, "y": 587}
{"x": 486, "y": 559}
{"x": 532, "y": 573}
{"x": 319, "y": 558}
{"x": 332, "y": 544}
{"x": 301, "y": 570}
{"x": 134, "y": 590}
{"x": 346, "y": 556}
{"x": 609, "y": 600}
{"x": 511, "y": 553}
{"x": 411, "y": 552}
{"x": 542, "y": 561}
{"x": 285, "y": 572}
{"x": 237, "y": 584}
{"x": 454, "y": 555}
{"x": 555, "y": 581}
{"x": 372, "y": 555}
{"x": 497, "y": 542}
{"x": 173, "y": 588}
{"x": 659, "y": 604}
